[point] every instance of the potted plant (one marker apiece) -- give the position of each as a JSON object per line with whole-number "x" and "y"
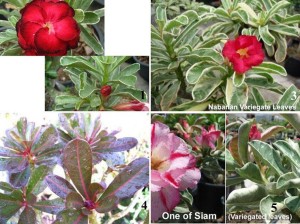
{"x": 56, "y": 35}
{"x": 100, "y": 83}
{"x": 29, "y": 154}
{"x": 206, "y": 140}
{"x": 270, "y": 168}
{"x": 195, "y": 65}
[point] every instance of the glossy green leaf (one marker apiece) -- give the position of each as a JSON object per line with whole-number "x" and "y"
{"x": 288, "y": 151}
{"x": 203, "y": 54}
{"x": 236, "y": 96}
{"x": 275, "y": 8}
{"x": 95, "y": 189}
{"x": 27, "y": 216}
{"x": 259, "y": 99}
{"x": 67, "y": 99}
{"x": 132, "y": 178}
{"x": 267, "y": 155}
{"x": 267, "y": 203}
{"x": 287, "y": 181}
{"x": 36, "y": 178}
{"x": 289, "y": 98}
{"x": 81, "y": 4}
{"x": 270, "y": 68}
{"x": 191, "y": 106}
{"x": 266, "y": 36}
{"x": 281, "y": 50}
{"x": 79, "y": 15}
{"x": 6, "y": 187}
{"x": 205, "y": 88}
{"x": 80, "y": 166}
{"x": 285, "y": 30}
{"x": 238, "y": 79}
{"x": 293, "y": 204}
{"x": 170, "y": 95}
{"x": 245, "y": 198}
{"x": 293, "y": 19}
{"x": 90, "y": 18}
{"x": 90, "y": 40}
{"x": 293, "y": 119}
{"x": 243, "y": 138}
{"x": 59, "y": 185}
{"x": 231, "y": 164}
{"x": 251, "y": 172}
{"x": 195, "y": 72}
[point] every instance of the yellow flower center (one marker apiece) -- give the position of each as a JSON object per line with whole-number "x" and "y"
{"x": 49, "y": 25}
{"x": 243, "y": 52}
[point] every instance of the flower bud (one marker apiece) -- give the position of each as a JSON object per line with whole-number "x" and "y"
{"x": 105, "y": 91}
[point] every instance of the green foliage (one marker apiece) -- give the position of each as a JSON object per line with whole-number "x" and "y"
{"x": 272, "y": 168}
{"x": 187, "y": 62}
{"x": 90, "y": 74}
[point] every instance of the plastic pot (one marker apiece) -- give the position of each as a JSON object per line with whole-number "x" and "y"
{"x": 209, "y": 198}
{"x": 292, "y": 66}
{"x": 101, "y": 2}
{"x": 144, "y": 69}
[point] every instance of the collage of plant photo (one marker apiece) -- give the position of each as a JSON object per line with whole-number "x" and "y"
{"x": 204, "y": 129}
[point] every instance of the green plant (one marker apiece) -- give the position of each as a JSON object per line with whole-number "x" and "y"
{"x": 272, "y": 168}
{"x": 91, "y": 74}
{"x": 189, "y": 71}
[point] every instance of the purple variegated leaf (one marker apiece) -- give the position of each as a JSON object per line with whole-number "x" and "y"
{"x": 132, "y": 178}
{"x": 9, "y": 142}
{"x": 50, "y": 206}
{"x": 77, "y": 158}
{"x": 27, "y": 216}
{"x": 71, "y": 216}
{"x": 44, "y": 138}
{"x": 15, "y": 164}
{"x": 19, "y": 180}
{"x": 63, "y": 119}
{"x": 107, "y": 204}
{"x": 122, "y": 144}
{"x": 112, "y": 159}
{"x": 9, "y": 152}
{"x": 59, "y": 185}
{"x": 74, "y": 200}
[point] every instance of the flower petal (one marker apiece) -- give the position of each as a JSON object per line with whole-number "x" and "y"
{"x": 163, "y": 201}
{"x": 239, "y": 65}
{"x": 47, "y": 43}
{"x": 190, "y": 179}
{"x": 28, "y": 31}
{"x": 57, "y": 11}
{"x": 66, "y": 29}
{"x": 33, "y": 13}
{"x": 229, "y": 49}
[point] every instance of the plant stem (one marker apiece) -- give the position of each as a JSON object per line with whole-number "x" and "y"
{"x": 182, "y": 92}
{"x": 93, "y": 218}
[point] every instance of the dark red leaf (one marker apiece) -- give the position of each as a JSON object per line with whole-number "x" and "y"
{"x": 77, "y": 158}
{"x": 107, "y": 204}
{"x": 27, "y": 216}
{"x": 122, "y": 144}
{"x": 74, "y": 200}
{"x": 19, "y": 180}
{"x": 50, "y": 206}
{"x": 71, "y": 216}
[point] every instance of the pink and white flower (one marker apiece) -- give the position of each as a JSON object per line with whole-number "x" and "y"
{"x": 173, "y": 169}
{"x": 207, "y": 139}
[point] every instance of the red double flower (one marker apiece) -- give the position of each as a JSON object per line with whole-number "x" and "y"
{"x": 47, "y": 27}
{"x": 243, "y": 52}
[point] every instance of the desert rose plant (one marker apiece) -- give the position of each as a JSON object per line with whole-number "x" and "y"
{"x": 272, "y": 166}
{"x": 48, "y": 27}
{"x": 29, "y": 153}
{"x": 101, "y": 83}
{"x": 214, "y": 58}
{"x": 173, "y": 170}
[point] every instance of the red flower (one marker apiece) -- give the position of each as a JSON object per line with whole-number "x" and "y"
{"x": 131, "y": 105}
{"x": 105, "y": 91}
{"x": 47, "y": 27}
{"x": 254, "y": 133}
{"x": 207, "y": 139}
{"x": 243, "y": 52}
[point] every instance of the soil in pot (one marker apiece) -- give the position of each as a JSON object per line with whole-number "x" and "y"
{"x": 144, "y": 69}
